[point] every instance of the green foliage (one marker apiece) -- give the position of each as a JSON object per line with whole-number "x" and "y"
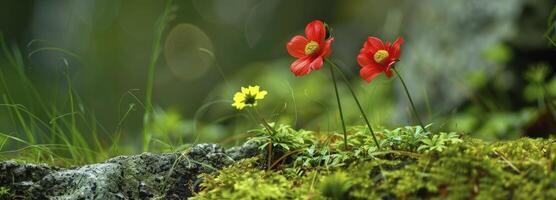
{"x": 413, "y": 165}
{"x": 407, "y": 138}
{"x": 315, "y": 156}
{"x": 285, "y": 139}
{"x": 5, "y": 193}
{"x": 499, "y": 53}
{"x": 439, "y": 142}
{"x": 537, "y": 74}
{"x": 538, "y": 88}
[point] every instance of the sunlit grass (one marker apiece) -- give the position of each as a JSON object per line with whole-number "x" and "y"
{"x": 62, "y": 135}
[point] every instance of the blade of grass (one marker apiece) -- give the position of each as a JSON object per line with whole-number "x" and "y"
{"x": 161, "y": 27}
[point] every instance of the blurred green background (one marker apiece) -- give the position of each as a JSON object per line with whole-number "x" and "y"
{"x": 75, "y": 73}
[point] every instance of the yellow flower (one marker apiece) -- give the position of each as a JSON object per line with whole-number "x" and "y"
{"x": 248, "y": 97}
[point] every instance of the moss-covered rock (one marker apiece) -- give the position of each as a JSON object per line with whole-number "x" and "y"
{"x": 456, "y": 168}
{"x": 17, "y": 178}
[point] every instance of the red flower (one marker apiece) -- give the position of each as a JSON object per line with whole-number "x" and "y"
{"x": 309, "y": 51}
{"x": 375, "y": 57}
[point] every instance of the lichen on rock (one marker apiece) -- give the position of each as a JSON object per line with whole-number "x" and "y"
{"x": 17, "y": 178}
{"x": 144, "y": 176}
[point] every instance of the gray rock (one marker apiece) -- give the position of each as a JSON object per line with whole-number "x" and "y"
{"x": 20, "y": 177}
{"x": 247, "y": 150}
{"x": 144, "y": 176}
{"x": 210, "y": 153}
{"x": 98, "y": 181}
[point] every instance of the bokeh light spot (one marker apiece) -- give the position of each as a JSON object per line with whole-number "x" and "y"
{"x": 185, "y": 51}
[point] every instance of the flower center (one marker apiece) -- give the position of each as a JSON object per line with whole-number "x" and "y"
{"x": 380, "y": 55}
{"x": 311, "y": 47}
{"x": 250, "y": 99}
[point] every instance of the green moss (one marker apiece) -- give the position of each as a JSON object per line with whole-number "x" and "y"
{"x": 244, "y": 181}
{"x": 463, "y": 168}
{"x": 5, "y": 193}
{"x": 336, "y": 185}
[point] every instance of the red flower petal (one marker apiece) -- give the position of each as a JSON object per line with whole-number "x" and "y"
{"x": 315, "y": 31}
{"x": 296, "y": 46}
{"x": 395, "y": 49}
{"x": 301, "y": 66}
{"x": 363, "y": 59}
{"x": 326, "y": 50}
{"x": 369, "y": 72}
{"x": 316, "y": 63}
{"x": 373, "y": 44}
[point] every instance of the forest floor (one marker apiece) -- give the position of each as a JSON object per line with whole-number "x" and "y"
{"x": 409, "y": 164}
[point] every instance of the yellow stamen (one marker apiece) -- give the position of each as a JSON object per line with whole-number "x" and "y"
{"x": 380, "y": 55}
{"x": 311, "y": 47}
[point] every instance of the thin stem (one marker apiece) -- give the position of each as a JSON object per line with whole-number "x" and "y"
{"x": 356, "y": 101}
{"x": 147, "y": 116}
{"x": 271, "y": 131}
{"x": 263, "y": 121}
{"x": 339, "y": 106}
{"x": 410, "y": 100}
{"x": 269, "y": 162}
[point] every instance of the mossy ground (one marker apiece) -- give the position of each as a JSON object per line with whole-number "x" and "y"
{"x": 410, "y": 165}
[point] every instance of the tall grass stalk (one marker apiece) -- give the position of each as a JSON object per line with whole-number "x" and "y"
{"x": 155, "y": 54}
{"x": 46, "y": 140}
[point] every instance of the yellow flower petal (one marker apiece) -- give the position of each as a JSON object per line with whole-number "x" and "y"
{"x": 261, "y": 94}
{"x": 254, "y": 90}
{"x": 245, "y": 90}
{"x": 238, "y": 105}
{"x": 239, "y": 97}
{"x": 248, "y": 92}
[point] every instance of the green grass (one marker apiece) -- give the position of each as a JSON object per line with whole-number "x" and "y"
{"x": 67, "y": 133}
{"x": 160, "y": 28}
{"x": 61, "y": 130}
{"x": 44, "y": 131}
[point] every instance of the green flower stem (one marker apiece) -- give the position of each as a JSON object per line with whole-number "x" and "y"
{"x": 271, "y": 130}
{"x": 410, "y": 100}
{"x": 269, "y": 159}
{"x": 263, "y": 121}
{"x": 356, "y": 101}
{"x": 339, "y": 106}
